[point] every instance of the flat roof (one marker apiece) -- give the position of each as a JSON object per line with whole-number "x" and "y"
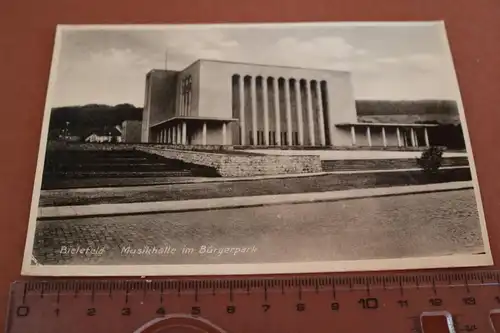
{"x": 275, "y": 66}
{"x": 249, "y": 64}
{"x": 385, "y": 125}
{"x": 187, "y": 118}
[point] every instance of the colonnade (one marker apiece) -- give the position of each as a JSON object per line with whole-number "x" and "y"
{"x": 413, "y": 136}
{"x": 304, "y": 92}
{"x": 176, "y": 134}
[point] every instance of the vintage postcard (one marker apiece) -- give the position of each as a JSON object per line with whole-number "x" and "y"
{"x": 254, "y": 148}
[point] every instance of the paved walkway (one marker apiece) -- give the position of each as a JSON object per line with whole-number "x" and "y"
{"x": 238, "y": 202}
{"x": 392, "y": 227}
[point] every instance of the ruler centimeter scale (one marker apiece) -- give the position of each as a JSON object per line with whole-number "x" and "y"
{"x": 467, "y": 301}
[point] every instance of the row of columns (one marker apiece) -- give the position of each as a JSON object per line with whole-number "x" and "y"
{"x": 288, "y": 111}
{"x": 178, "y": 134}
{"x": 413, "y": 137}
{"x": 173, "y": 135}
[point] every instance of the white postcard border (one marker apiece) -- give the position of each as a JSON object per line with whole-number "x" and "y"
{"x": 451, "y": 261}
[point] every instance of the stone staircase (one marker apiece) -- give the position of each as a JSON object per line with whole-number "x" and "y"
{"x": 101, "y": 168}
{"x": 385, "y": 164}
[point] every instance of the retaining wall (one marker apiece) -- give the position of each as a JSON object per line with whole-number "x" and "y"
{"x": 242, "y": 165}
{"x": 223, "y": 148}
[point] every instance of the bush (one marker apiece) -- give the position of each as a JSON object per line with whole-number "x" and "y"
{"x": 431, "y": 159}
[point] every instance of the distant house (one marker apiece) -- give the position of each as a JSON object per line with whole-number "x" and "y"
{"x": 113, "y": 134}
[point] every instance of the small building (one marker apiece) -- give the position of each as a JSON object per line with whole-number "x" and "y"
{"x": 241, "y": 104}
{"x": 112, "y": 135}
{"x": 131, "y": 131}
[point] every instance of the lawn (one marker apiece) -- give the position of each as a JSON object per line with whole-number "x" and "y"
{"x": 322, "y": 183}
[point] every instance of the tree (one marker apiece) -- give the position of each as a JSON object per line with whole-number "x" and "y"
{"x": 431, "y": 160}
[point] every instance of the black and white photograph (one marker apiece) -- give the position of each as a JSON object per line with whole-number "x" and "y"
{"x": 212, "y": 149}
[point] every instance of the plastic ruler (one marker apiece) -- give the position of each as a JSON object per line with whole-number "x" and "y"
{"x": 465, "y": 301}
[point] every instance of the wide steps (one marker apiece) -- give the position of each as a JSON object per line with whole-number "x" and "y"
{"x": 115, "y": 167}
{"x": 101, "y": 168}
{"x": 111, "y": 164}
{"x": 93, "y": 159}
{"x": 95, "y": 182}
{"x": 118, "y": 174}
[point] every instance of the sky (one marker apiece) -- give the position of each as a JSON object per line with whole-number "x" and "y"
{"x": 397, "y": 61}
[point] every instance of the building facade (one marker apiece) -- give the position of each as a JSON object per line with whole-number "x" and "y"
{"x": 131, "y": 131}
{"x": 239, "y": 104}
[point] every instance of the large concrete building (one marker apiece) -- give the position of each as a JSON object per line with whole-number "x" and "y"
{"x": 240, "y": 104}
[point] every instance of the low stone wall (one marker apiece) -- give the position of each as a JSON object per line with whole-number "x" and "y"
{"x": 61, "y": 145}
{"x": 349, "y": 148}
{"x": 212, "y": 148}
{"x": 242, "y": 165}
